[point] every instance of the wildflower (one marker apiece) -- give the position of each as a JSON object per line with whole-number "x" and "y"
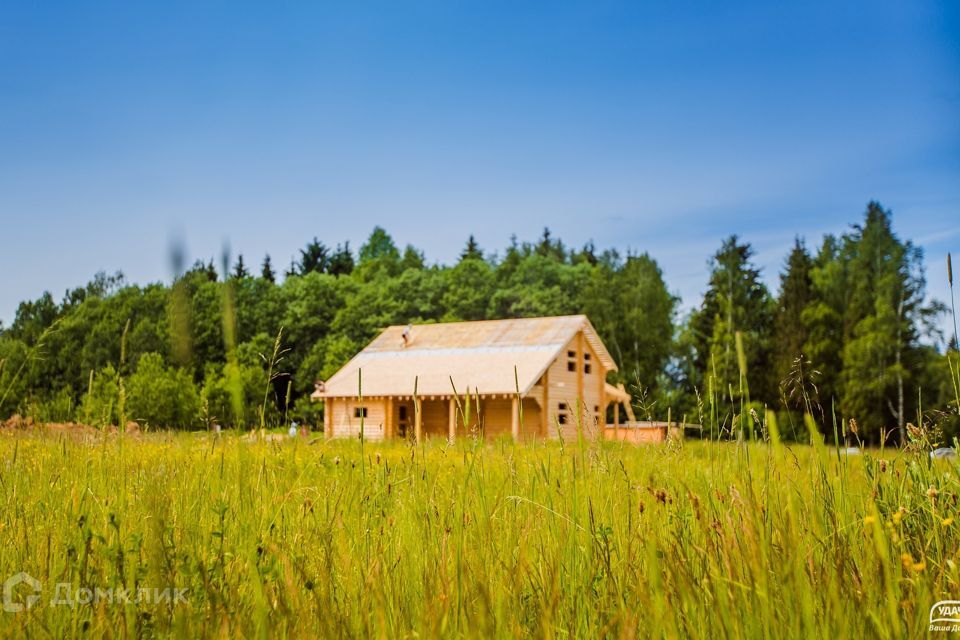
{"x": 947, "y": 522}
{"x": 883, "y": 466}
{"x": 932, "y": 492}
{"x": 919, "y": 566}
{"x": 869, "y": 520}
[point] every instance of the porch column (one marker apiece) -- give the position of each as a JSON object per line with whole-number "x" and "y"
{"x": 452, "y": 420}
{"x": 515, "y": 418}
{"x": 417, "y": 420}
{"x": 388, "y": 418}
{"x": 545, "y": 406}
{"x": 328, "y": 417}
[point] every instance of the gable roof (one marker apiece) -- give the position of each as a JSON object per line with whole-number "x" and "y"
{"x": 479, "y": 356}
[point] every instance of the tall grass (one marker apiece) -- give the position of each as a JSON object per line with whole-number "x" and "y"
{"x": 741, "y": 535}
{"x": 478, "y": 539}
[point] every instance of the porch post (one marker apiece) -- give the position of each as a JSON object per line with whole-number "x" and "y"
{"x": 545, "y": 406}
{"x": 388, "y": 418}
{"x": 417, "y": 420}
{"x": 328, "y": 417}
{"x": 452, "y": 419}
{"x": 616, "y": 418}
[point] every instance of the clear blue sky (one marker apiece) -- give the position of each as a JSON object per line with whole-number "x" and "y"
{"x": 651, "y": 126}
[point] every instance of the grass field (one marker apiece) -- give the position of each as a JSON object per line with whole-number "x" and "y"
{"x": 475, "y": 539}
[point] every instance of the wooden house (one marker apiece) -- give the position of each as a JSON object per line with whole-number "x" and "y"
{"x": 533, "y": 377}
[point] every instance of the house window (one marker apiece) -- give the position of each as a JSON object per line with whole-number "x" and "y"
{"x": 563, "y": 406}
{"x": 562, "y": 413}
{"x": 562, "y": 418}
{"x": 586, "y": 356}
{"x": 403, "y": 413}
{"x": 586, "y": 368}
{"x": 572, "y": 365}
{"x": 571, "y": 354}
{"x": 359, "y": 412}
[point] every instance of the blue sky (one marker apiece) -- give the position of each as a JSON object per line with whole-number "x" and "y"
{"x": 658, "y": 127}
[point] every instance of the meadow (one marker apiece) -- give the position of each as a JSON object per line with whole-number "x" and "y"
{"x": 195, "y": 534}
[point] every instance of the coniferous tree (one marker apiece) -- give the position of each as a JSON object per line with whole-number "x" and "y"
{"x": 823, "y": 320}
{"x": 266, "y": 271}
{"x": 884, "y": 317}
{"x": 412, "y": 258}
{"x": 341, "y": 262}
{"x": 314, "y": 257}
{"x": 472, "y": 251}
{"x": 240, "y": 270}
{"x": 790, "y": 333}
{"x": 736, "y": 301}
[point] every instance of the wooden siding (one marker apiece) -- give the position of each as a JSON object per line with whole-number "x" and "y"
{"x": 345, "y": 425}
{"x": 497, "y": 417}
{"x": 436, "y": 417}
{"x": 564, "y": 384}
{"x": 532, "y": 425}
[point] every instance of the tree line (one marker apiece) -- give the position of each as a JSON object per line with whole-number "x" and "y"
{"x": 849, "y": 333}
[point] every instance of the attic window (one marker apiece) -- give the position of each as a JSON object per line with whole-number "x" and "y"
{"x": 562, "y": 418}
{"x": 563, "y": 406}
{"x": 586, "y": 356}
{"x": 571, "y": 354}
{"x": 359, "y": 412}
{"x": 586, "y": 368}
{"x": 572, "y": 365}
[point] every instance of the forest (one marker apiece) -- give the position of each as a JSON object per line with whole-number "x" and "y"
{"x": 849, "y": 336}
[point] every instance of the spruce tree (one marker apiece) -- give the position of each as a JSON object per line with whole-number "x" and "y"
{"x": 472, "y": 251}
{"x": 790, "y": 332}
{"x": 266, "y": 271}
{"x": 884, "y": 314}
{"x": 736, "y": 301}
{"x": 240, "y": 270}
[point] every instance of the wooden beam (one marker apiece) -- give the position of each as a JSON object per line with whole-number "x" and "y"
{"x": 417, "y": 420}
{"x": 452, "y": 419}
{"x": 328, "y": 417}
{"x": 515, "y": 418}
{"x": 388, "y": 418}
{"x": 545, "y": 405}
{"x": 580, "y": 362}
{"x": 602, "y": 407}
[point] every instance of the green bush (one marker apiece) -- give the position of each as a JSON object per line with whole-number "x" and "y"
{"x": 162, "y": 396}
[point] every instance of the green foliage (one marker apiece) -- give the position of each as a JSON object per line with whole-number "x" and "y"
{"x": 161, "y": 395}
{"x": 796, "y": 294}
{"x": 844, "y": 334}
{"x": 736, "y": 301}
{"x": 216, "y": 405}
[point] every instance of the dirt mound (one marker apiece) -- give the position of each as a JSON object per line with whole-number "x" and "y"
{"x": 17, "y": 422}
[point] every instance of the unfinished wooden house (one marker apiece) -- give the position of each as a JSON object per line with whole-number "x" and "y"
{"x": 534, "y": 377}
